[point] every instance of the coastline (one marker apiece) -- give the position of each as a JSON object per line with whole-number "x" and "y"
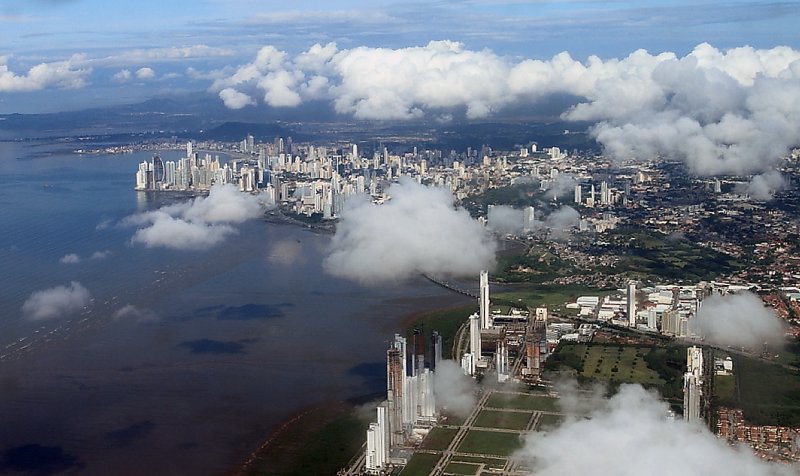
{"x": 290, "y": 437}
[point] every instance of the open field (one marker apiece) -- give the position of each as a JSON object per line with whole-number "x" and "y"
{"x": 439, "y": 438}
{"x": 655, "y": 367}
{"x": 770, "y": 394}
{"x": 420, "y": 464}
{"x": 554, "y": 297}
{"x": 548, "y": 421}
{"x": 490, "y": 442}
{"x": 461, "y": 468}
{"x": 725, "y": 390}
{"x": 505, "y": 420}
{"x": 522, "y": 402}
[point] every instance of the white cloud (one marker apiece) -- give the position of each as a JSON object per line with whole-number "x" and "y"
{"x": 738, "y": 320}
{"x": 731, "y": 111}
{"x": 233, "y": 99}
{"x": 764, "y": 186}
{"x": 59, "y": 74}
{"x": 132, "y": 312}
{"x": 154, "y": 55}
{"x": 56, "y": 302}
{"x": 70, "y": 258}
{"x": 122, "y": 76}
{"x": 455, "y": 392}
{"x": 145, "y": 73}
{"x": 417, "y": 231}
{"x": 630, "y": 434}
{"x": 505, "y": 219}
{"x": 561, "y": 221}
{"x": 198, "y": 224}
{"x": 100, "y": 255}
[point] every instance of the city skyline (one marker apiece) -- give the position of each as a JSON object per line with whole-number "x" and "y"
{"x": 64, "y": 55}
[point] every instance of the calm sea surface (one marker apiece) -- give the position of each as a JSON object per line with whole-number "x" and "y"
{"x": 232, "y": 340}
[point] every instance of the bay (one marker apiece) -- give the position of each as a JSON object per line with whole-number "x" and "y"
{"x": 224, "y": 343}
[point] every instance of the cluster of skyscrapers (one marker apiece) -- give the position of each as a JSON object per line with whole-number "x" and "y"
{"x": 410, "y": 399}
{"x": 188, "y": 173}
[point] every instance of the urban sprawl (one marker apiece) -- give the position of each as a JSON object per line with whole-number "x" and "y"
{"x": 509, "y": 342}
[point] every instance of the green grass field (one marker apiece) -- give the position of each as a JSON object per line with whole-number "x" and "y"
{"x": 548, "y": 421}
{"x": 505, "y": 420}
{"x": 490, "y": 463}
{"x": 420, "y": 464}
{"x": 467, "y": 469}
{"x": 725, "y": 390}
{"x": 490, "y": 442}
{"x": 770, "y": 394}
{"x": 522, "y": 402}
{"x": 439, "y": 438}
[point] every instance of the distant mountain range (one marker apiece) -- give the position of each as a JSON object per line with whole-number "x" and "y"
{"x": 202, "y": 116}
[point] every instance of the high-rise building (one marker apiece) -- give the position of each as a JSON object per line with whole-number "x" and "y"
{"x": 632, "y": 304}
{"x": 483, "y": 302}
{"x": 395, "y": 389}
{"x": 474, "y": 341}
{"x": 578, "y": 194}
{"x": 436, "y": 340}
{"x": 692, "y": 384}
{"x": 527, "y": 219}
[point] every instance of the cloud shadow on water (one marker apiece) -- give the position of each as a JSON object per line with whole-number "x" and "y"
{"x": 209, "y": 346}
{"x": 128, "y": 435}
{"x": 38, "y": 460}
{"x": 245, "y": 312}
{"x": 372, "y": 373}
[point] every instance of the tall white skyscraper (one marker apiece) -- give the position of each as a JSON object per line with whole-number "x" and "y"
{"x": 527, "y": 219}
{"x": 474, "y": 342}
{"x": 483, "y": 302}
{"x": 632, "y": 304}
{"x": 578, "y": 197}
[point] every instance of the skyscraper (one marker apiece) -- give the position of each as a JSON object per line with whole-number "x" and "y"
{"x": 483, "y": 302}
{"x": 692, "y": 384}
{"x": 632, "y": 304}
{"x": 527, "y": 219}
{"x": 474, "y": 341}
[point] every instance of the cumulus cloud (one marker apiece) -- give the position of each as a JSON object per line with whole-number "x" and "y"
{"x": 764, "y": 186}
{"x": 70, "y": 258}
{"x": 504, "y": 219}
{"x": 59, "y": 74}
{"x": 417, "y": 231}
{"x": 738, "y": 320}
{"x": 132, "y": 312}
{"x": 560, "y": 222}
{"x": 122, "y": 76}
{"x": 455, "y": 392}
{"x": 99, "y": 255}
{"x": 633, "y": 426}
{"x": 56, "y": 302}
{"x": 563, "y": 184}
{"x": 145, "y": 73}
{"x": 233, "y": 99}
{"x": 731, "y": 111}
{"x": 197, "y": 224}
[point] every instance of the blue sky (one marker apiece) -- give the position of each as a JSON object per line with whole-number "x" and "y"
{"x": 129, "y": 51}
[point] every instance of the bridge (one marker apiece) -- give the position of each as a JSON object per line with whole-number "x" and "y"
{"x": 450, "y": 286}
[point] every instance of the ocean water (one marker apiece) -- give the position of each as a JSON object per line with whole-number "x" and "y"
{"x": 228, "y": 343}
